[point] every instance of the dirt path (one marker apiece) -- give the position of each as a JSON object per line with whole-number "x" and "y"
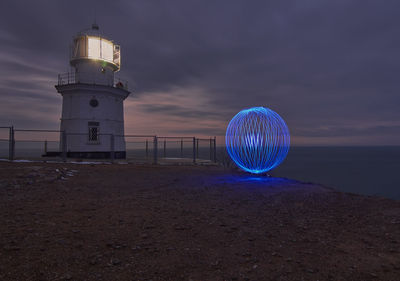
{"x": 126, "y": 222}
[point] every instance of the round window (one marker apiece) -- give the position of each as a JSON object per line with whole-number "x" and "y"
{"x": 93, "y": 103}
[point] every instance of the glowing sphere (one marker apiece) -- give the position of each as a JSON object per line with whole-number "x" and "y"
{"x": 257, "y": 139}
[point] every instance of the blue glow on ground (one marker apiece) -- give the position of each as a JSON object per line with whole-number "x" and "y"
{"x": 256, "y": 179}
{"x": 252, "y": 180}
{"x": 257, "y": 140}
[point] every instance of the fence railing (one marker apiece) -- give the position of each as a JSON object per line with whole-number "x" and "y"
{"x": 50, "y": 144}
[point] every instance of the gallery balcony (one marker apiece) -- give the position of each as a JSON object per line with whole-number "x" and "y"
{"x": 92, "y": 79}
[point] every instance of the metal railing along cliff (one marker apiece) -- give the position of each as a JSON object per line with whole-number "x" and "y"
{"x": 42, "y": 144}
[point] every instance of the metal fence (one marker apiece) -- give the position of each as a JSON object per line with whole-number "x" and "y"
{"x": 53, "y": 144}
{"x": 140, "y": 148}
{"x": 34, "y": 144}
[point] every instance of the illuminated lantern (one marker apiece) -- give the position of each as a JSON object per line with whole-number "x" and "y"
{"x": 90, "y": 45}
{"x": 257, "y": 139}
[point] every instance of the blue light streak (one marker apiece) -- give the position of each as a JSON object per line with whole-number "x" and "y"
{"x": 257, "y": 139}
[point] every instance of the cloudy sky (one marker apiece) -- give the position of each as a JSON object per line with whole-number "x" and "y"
{"x": 330, "y": 68}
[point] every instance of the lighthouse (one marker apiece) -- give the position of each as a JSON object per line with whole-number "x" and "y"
{"x": 92, "y": 118}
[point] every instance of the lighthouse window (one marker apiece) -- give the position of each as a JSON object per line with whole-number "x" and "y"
{"x": 94, "y": 103}
{"x": 107, "y": 49}
{"x": 94, "y": 47}
{"x": 100, "y": 48}
{"x": 93, "y": 134}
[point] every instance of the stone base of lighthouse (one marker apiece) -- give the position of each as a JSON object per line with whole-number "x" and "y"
{"x": 88, "y": 154}
{"x": 96, "y": 154}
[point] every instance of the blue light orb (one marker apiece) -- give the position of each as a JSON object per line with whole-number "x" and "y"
{"x": 257, "y": 139}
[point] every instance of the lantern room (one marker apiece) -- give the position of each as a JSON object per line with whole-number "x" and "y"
{"x": 90, "y": 45}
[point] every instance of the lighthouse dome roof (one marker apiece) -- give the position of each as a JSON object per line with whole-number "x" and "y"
{"x": 94, "y": 31}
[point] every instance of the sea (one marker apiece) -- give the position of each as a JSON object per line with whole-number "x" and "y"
{"x": 371, "y": 170}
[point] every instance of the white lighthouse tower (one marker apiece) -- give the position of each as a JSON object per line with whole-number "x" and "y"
{"x": 92, "y": 111}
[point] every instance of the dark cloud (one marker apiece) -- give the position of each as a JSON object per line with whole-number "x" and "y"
{"x": 320, "y": 64}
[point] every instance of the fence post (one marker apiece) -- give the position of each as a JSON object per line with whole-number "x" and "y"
{"x": 197, "y": 148}
{"x": 112, "y": 147}
{"x": 165, "y": 148}
{"x": 155, "y": 150}
{"x": 194, "y": 149}
{"x": 45, "y": 147}
{"x": 147, "y": 148}
{"x": 64, "y": 146}
{"x": 215, "y": 149}
{"x": 11, "y": 144}
{"x": 181, "y": 148}
{"x": 211, "y": 150}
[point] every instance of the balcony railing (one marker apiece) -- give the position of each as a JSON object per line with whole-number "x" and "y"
{"x": 93, "y": 79}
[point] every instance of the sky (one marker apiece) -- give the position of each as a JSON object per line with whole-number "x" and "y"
{"x": 330, "y": 68}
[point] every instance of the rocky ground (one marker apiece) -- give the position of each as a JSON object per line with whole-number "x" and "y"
{"x": 127, "y": 222}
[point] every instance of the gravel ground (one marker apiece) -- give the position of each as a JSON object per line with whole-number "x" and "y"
{"x": 127, "y": 222}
